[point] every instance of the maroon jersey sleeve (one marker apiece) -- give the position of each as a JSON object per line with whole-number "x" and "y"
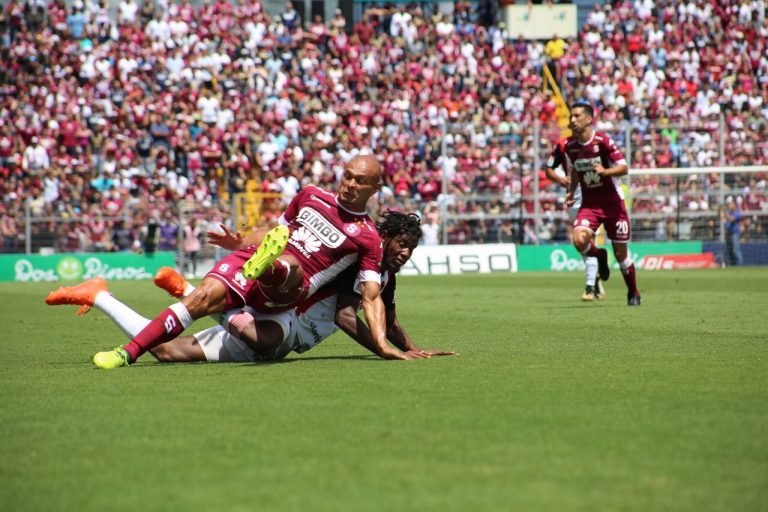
{"x": 371, "y": 255}
{"x": 609, "y": 151}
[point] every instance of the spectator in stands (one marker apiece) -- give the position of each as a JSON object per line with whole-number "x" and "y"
{"x": 192, "y": 244}
{"x": 35, "y": 159}
{"x": 9, "y": 230}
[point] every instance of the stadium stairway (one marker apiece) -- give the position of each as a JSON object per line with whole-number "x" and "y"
{"x": 562, "y": 113}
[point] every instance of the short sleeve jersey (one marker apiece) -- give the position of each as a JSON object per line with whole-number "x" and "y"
{"x": 579, "y": 161}
{"x": 326, "y": 238}
{"x": 348, "y": 283}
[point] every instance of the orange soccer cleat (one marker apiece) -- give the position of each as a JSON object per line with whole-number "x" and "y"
{"x": 171, "y": 281}
{"x": 82, "y": 294}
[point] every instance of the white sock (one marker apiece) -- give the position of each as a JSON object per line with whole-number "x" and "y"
{"x": 590, "y": 267}
{"x": 185, "y": 319}
{"x": 129, "y": 321}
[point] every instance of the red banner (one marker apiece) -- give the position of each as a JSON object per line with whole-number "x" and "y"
{"x": 678, "y": 261}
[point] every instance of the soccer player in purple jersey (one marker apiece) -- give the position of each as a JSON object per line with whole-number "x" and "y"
{"x": 595, "y": 163}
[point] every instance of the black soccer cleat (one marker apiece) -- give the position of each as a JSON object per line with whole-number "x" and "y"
{"x": 633, "y": 299}
{"x": 603, "y": 270}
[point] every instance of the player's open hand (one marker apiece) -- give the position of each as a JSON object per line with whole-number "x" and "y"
{"x": 226, "y": 240}
{"x": 569, "y": 200}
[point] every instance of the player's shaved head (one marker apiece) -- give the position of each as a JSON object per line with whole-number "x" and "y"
{"x": 367, "y": 164}
{"x": 360, "y": 181}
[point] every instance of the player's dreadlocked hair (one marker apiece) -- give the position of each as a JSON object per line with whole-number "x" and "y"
{"x": 396, "y": 223}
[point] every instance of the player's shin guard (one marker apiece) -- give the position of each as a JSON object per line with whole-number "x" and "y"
{"x": 628, "y": 271}
{"x": 165, "y": 327}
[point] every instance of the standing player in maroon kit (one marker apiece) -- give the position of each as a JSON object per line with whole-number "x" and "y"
{"x": 328, "y": 233}
{"x": 595, "y": 162}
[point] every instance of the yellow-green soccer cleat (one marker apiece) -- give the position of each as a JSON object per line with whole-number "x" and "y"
{"x": 112, "y": 359}
{"x": 269, "y": 250}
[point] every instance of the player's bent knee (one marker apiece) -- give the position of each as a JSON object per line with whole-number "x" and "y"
{"x": 581, "y": 238}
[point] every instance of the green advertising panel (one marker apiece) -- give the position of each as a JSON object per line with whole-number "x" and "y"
{"x": 563, "y": 257}
{"x": 25, "y": 268}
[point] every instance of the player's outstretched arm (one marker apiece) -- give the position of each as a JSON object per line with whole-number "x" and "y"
{"x": 373, "y": 307}
{"x": 400, "y": 338}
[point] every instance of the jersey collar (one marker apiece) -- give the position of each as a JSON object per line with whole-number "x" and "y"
{"x": 347, "y": 209}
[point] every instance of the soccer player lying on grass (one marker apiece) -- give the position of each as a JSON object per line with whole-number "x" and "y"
{"x": 320, "y": 235}
{"x": 273, "y": 337}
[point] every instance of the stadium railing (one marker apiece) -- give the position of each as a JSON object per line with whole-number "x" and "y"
{"x": 665, "y": 203}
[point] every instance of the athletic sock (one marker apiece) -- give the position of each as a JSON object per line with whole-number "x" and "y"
{"x": 129, "y": 321}
{"x": 628, "y": 271}
{"x": 166, "y": 326}
{"x": 276, "y": 274}
{"x": 590, "y": 268}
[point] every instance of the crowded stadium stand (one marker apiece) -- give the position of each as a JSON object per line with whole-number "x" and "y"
{"x": 121, "y": 122}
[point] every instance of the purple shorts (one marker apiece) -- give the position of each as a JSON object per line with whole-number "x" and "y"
{"x": 613, "y": 217}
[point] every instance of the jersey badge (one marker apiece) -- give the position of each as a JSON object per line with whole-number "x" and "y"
{"x": 352, "y": 228}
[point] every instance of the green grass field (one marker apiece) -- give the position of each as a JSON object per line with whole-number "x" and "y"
{"x": 552, "y": 404}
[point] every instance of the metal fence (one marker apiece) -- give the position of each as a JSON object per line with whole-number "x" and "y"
{"x": 680, "y": 177}
{"x": 490, "y": 190}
